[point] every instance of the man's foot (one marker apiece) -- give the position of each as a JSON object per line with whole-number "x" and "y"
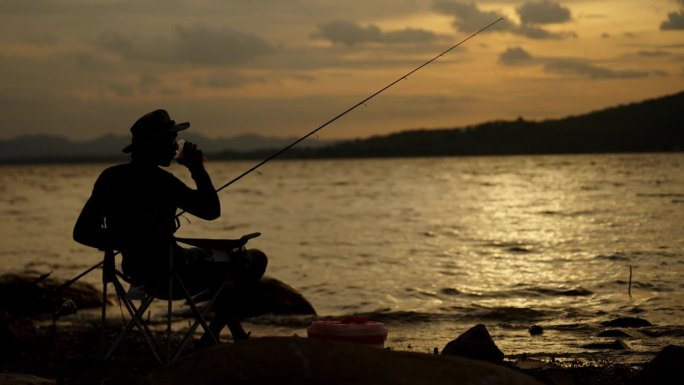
{"x": 241, "y": 336}
{"x": 205, "y": 342}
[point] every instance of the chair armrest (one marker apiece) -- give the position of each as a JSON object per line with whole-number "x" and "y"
{"x": 218, "y": 244}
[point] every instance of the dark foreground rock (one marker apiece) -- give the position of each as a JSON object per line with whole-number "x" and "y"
{"x": 16, "y": 334}
{"x": 32, "y": 295}
{"x": 23, "y": 379}
{"x": 25, "y": 295}
{"x": 475, "y": 343}
{"x": 70, "y": 355}
{"x": 667, "y": 368}
{"x": 292, "y": 360}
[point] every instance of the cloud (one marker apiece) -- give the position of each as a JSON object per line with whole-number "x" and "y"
{"x": 675, "y": 21}
{"x": 201, "y": 45}
{"x": 121, "y": 90}
{"x": 654, "y": 53}
{"x": 569, "y": 66}
{"x": 348, "y": 33}
{"x": 514, "y": 56}
{"x": 134, "y": 47}
{"x": 469, "y": 18}
{"x": 85, "y": 60}
{"x": 227, "y": 80}
{"x": 534, "y": 32}
{"x": 586, "y": 69}
{"x": 148, "y": 79}
{"x": 543, "y": 12}
{"x": 344, "y": 32}
{"x": 195, "y": 45}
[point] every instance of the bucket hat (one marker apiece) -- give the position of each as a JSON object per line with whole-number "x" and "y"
{"x": 151, "y": 126}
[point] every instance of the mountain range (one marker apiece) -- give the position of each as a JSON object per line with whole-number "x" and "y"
{"x": 653, "y": 125}
{"x": 53, "y": 148}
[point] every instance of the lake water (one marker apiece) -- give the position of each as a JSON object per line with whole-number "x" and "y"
{"x": 428, "y": 246}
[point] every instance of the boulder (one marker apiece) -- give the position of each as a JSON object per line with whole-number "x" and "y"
{"x": 23, "y": 379}
{"x": 627, "y": 322}
{"x": 269, "y": 296}
{"x": 32, "y": 295}
{"x": 667, "y": 368}
{"x": 272, "y": 296}
{"x": 475, "y": 343}
{"x": 535, "y": 330}
{"x": 15, "y": 334}
{"x": 293, "y": 360}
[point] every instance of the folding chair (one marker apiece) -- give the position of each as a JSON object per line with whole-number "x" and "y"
{"x": 139, "y": 293}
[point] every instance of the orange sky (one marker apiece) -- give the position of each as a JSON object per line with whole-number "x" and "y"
{"x": 84, "y": 68}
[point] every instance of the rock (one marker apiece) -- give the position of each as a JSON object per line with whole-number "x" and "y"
{"x": 292, "y": 360}
{"x": 614, "y": 333}
{"x": 15, "y": 335}
{"x": 627, "y": 322}
{"x": 273, "y": 296}
{"x": 475, "y": 343}
{"x": 31, "y": 295}
{"x": 535, "y": 330}
{"x": 667, "y": 368}
{"x": 615, "y": 345}
{"x": 554, "y": 376}
{"x": 23, "y": 379}
{"x": 269, "y": 296}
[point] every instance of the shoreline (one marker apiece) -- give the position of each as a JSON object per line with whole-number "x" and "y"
{"x": 71, "y": 355}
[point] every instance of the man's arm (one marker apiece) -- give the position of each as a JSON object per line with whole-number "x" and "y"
{"x": 202, "y": 202}
{"x": 89, "y": 229}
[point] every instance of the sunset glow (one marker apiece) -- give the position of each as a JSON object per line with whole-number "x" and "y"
{"x": 82, "y": 69}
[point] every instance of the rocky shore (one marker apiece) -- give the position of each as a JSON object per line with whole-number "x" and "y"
{"x": 36, "y": 350}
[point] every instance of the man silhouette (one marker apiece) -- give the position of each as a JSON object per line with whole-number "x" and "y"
{"x": 133, "y": 209}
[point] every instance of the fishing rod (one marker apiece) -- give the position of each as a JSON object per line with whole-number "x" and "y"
{"x": 312, "y": 132}
{"x": 350, "y": 109}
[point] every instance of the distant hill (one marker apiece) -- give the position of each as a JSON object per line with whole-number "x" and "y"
{"x": 654, "y": 125}
{"x": 50, "y": 148}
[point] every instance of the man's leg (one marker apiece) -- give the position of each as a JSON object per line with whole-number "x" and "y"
{"x": 228, "y": 304}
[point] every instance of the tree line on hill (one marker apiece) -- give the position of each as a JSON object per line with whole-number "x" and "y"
{"x": 655, "y": 125}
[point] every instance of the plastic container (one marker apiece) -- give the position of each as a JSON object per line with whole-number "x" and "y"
{"x": 352, "y": 329}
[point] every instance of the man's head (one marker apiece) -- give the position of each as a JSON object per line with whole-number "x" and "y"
{"x": 154, "y": 136}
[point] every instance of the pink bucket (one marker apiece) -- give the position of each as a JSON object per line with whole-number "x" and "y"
{"x": 351, "y": 329}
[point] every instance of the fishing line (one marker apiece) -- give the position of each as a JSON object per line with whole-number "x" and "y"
{"x": 314, "y": 131}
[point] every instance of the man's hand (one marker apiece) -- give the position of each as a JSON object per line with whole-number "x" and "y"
{"x": 190, "y": 156}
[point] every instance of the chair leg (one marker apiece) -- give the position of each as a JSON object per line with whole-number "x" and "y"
{"x": 199, "y": 316}
{"x": 136, "y": 321}
{"x": 103, "y": 322}
{"x": 199, "y": 319}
